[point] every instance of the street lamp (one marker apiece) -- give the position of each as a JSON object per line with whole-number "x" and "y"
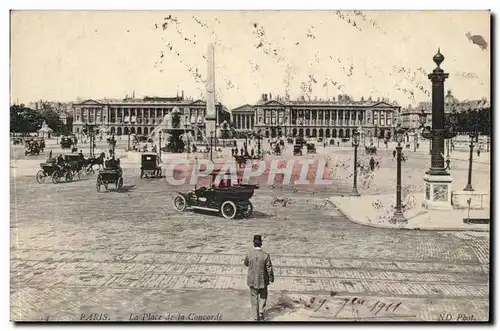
{"x": 211, "y": 138}
{"x": 398, "y": 216}
{"x": 422, "y": 117}
{"x": 355, "y": 181}
{"x": 113, "y": 143}
{"x": 159, "y": 142}
{"x": 473, "y": 136}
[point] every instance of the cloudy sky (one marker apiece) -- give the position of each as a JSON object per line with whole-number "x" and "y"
{"x": 62, "y": 55}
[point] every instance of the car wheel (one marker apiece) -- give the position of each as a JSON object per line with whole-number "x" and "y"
{"x": 247, "y": 210}
{"x": 40, "y": 177}
{"x": 180, "y": 203}
{"x": 55, "y": 177}
{"x": 228, "y": 209}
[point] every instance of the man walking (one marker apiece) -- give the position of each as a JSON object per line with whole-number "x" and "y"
{"x": 260, "y": 275}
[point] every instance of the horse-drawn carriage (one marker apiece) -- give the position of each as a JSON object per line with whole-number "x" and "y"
{"x": 229, "y": 199}
{"x": 32, "y": 149}
{"x": 48, "y": 169}
{"x": 112, "y": 174}
{"x": 311, "y": 148}
{"x": 150, "y": 165}
{"x": 297, "y": 149}
{"x": 289, "y": 140}
{"x": 371, "y": 150}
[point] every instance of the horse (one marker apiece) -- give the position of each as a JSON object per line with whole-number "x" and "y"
{"x": 99, "y": 161}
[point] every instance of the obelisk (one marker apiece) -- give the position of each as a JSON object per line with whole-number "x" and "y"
{"x": 211, "y": 114}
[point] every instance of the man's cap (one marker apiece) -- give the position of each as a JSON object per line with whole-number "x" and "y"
{"x": 257, "y": 237}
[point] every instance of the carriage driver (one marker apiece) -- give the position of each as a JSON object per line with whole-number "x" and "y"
{"x": 60, "y": 162}
{"x": 115, "y": 165}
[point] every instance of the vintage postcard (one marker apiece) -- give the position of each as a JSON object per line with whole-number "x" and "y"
{"x": 206, "y": 166}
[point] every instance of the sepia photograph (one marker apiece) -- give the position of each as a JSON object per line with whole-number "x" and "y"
{"x": 250, "y": 165}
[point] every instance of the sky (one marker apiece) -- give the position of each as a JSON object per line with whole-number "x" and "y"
{"x": 65, "y": 55}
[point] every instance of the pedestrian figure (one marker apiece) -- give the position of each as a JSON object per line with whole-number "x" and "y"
{"x": 252, "y": 152}
{"x": 447, "y": 164}
{"x": 260, "y": 275}
{"x": 338, "y": 142}
{"x": 50, "y": 154}
{"x": 418, "y": 145}
{"x": 241, "y": 151}
{"x": 372, "y": 163}
{"x": 394, "y": 154}
{"x": 478, "y": 152}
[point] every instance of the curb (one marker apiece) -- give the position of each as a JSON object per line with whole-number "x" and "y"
{"x": 401, "y": 227}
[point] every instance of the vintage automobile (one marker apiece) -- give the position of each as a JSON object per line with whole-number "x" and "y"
{"x": 300, "y": 141}
{"x": 112, "y": 174}
{"x": 48, "y": 169}
{"x": 76, "y": 163}
{"x": 150, "y": 165}
{"x": 311, "y": 148}
{"x": 229, "y": 199}
{"x": 66, "y": 142}
{"x": 297, "y": 149}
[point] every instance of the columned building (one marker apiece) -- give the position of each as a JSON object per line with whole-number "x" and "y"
{"x": 243, "y": 118}
{"x": 140, "y": 116}
{"x": 325, "y": 118}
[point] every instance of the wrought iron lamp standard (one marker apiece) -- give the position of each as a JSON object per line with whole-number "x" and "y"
{"x": 159, "y": 142}
{"x": 472, "y": 136}
{"x": 113, "y": 144}
{"x": 398, "y": 216}
{"x": 355, "y": 143}
{"x": 211, "y": 139}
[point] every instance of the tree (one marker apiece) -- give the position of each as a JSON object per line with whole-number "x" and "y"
{"x": 24, "y": 119}
{"x": 175, "y": 143}
{"x": 53, "y": 121}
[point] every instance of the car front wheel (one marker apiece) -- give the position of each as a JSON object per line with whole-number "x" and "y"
{"x": 228, "y": 209}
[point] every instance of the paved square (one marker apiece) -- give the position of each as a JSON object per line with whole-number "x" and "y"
{"x": 77, "y": 252}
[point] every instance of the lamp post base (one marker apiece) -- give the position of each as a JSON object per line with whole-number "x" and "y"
{"x": 398, "y": 217}
{"x": 355, "y": 192}
{"x": 437, "y": 192}
{"x": 468, "y": 188}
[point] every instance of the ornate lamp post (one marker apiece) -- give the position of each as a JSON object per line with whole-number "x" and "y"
{"x": 438, "y": 180}
{"x": 211, "y": 139}
{"x": 159, "y": 142}
{"x": 259, "y": 137}
{"x": 113, "y": 144}
{"x": 398, "y": 214}
{"x": 355, "y": 143}
{"x": 473, "y": 136}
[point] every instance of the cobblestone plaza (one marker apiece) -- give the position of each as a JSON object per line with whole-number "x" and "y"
{"x": 76, "y": 252}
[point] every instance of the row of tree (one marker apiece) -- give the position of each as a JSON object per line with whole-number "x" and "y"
{"x": 474, "y": 120}
{"x": 26, "y": 120}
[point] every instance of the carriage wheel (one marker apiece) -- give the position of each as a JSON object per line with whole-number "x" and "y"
{"x": 90, "y": 170}
{"x": 69, "y": 176}
{"x": 228, "y": 209}
{"x": 98, "y": 184}
{"x": 180, "y": 203}
{"x": 55, "y": 177}
{"x": 247, "y": 210}
{"x": 40, "y": 177}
